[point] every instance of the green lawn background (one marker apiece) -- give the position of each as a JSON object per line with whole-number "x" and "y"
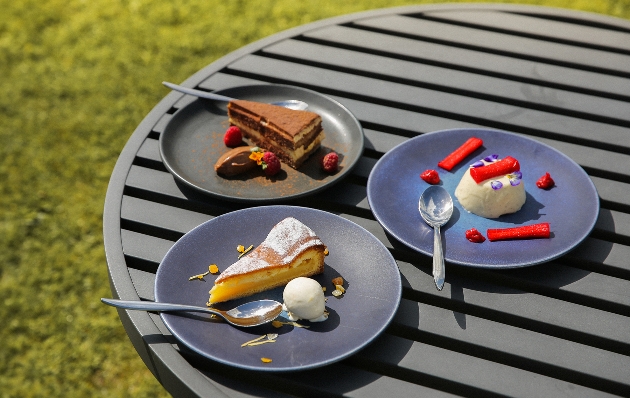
{"x": 76, "y": 78}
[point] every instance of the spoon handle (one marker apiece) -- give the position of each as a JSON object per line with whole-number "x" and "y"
{"x": 197, "y": 93}
{"x": 153, "y": 306}
{"x": 439, "y": 271}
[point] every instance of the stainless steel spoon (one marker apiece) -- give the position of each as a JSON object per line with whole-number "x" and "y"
{"x": 249, "y": 314}
{"x": 436, "y": 208}
{"x": 291, "y": 104}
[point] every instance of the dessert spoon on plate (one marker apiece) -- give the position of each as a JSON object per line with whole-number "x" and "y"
{"x": 291, "y": 104}
{"x": 436, "y": 208}
{"x": 249, "y": 314}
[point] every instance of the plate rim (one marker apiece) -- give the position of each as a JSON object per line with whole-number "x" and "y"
{"x": 522, "y": 264}
{"x": 397, "y": 292}
{"x": 356, "y": 125}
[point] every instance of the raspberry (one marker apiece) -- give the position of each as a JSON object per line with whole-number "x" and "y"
{"x": 330, "y": 162}
{"x": 271, "y": 164}
{"x": 430, "y": 176}
{"x": 233, "y": 137}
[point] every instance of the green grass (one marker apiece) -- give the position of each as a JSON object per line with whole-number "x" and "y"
{"x": 77, "y": 77}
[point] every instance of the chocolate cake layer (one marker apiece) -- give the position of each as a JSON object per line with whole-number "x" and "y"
{"x": 292, "y": 135}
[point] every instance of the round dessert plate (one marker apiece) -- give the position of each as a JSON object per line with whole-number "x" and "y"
{"x": 571, "y": 207}
{"x": 373, "y": 291}
{"x": 192, "y": 142}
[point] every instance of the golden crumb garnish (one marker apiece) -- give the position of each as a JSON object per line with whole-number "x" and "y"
{"x": 323, "y": 288}
{"x": 240, "y": 248}
{"x": 213, "y": 269}
{"x": 271, "y": 338}
{"x": 253, "y": 341}
{"x": 245, "y": 251}
{"x": 200, "y": 276}
{"x": 260, "y": 342}
{"x": 337, "y": 281}
{"x": 336, "y": 293}
{"x": 326, "y": 252}
{"x": 340, "y": 288}
{"x": 277, "y": 324}
{"x": 266, "y": 360}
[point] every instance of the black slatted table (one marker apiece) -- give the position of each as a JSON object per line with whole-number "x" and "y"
{"x": 557, "y": 329}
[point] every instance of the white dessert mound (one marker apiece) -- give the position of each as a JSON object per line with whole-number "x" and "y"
{"x": 482, "y": 200}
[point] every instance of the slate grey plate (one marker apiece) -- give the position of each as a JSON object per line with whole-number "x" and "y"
{"x": 192, "y": 142}
{"x": 373, "y": 291}
{"x": 571, "y": 207}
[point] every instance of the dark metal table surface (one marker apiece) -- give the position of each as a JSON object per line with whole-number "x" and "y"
{"x": 556, "y": 329}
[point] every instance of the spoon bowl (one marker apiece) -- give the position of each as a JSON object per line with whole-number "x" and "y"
{"x": 436, "y": 208}
{"x": 249, "y": 314}
{"x": 291, "y": 104}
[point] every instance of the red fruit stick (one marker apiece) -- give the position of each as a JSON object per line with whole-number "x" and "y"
{"x": 500, "y": 168}
{"x": 460, "y": 153}
{"x": 525, "y": 232}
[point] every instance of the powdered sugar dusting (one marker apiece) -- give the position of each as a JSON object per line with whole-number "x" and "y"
{"x": 286, "y": 239}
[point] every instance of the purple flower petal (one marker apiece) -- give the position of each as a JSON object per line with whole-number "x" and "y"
{"x": 514, "y": 182}
{"x": 496, "y": 185}
{"x": 491, "y": 158}
{"x": 478, "y": 163}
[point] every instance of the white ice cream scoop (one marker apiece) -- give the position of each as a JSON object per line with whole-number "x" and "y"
{"x": 304, "y": 299}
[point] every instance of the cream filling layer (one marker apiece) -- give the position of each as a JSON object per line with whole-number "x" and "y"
{"x": 304, "y": 133}
{"x": 296, "y": 154}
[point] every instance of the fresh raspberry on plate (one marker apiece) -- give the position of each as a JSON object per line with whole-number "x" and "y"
{"x": 430, "y": 176}
{"x": 233, "y": 137}
{"x": 330, "y": 162}
{"x": 271, "y": 164}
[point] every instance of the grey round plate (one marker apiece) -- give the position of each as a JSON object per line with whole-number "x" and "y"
{"x": 372, "y": 281}
{"x": 193, "y": 141}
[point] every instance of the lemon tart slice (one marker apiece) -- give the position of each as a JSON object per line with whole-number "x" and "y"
{"x": 290, "y": 250}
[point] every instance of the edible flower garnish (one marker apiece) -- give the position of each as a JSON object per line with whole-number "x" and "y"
{"x": 496, "y": 185}
{"x": 515, "y": 178}
{"x": 257, "y": 155}
{"x": 213, "y": 269}
{"x": 243, "y": 251}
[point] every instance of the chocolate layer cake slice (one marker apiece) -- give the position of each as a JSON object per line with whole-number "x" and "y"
{"x": 292, "y": 135}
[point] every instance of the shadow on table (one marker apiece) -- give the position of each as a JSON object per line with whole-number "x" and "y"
{"x": 386, "y": 348}
{"x": 553, "y": 275}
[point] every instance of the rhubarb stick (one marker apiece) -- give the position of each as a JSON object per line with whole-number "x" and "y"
{"x": 533, "y": 231}
{"x": 460, "y": 153}
{"x": 499, "y": 168}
